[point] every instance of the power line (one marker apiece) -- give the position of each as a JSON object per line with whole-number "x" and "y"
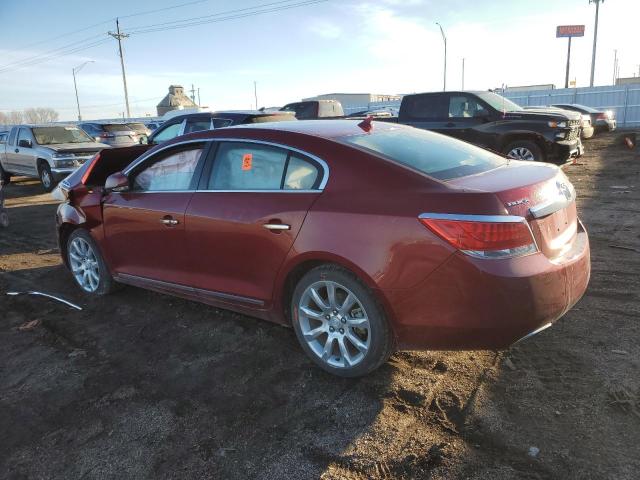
{"x": 119, "y": 36}
{"x": 232, "y": 16}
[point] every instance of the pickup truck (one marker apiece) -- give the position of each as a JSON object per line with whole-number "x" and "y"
{"x": 496, "y": 123}
{"x": 48, "y": 152}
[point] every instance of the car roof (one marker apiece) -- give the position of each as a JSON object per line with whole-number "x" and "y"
{"x": 319, "y": 128}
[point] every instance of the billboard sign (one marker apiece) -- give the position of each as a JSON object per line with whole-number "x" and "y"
{"x": 569, "y": 31}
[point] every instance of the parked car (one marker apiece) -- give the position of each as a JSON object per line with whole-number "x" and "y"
{"x": 494, "y": 122}
{"x": 114, "y": 134}
{"x": 365, "y": 237}
{"x": 602, "y": 120}
{"x": 194, "y": 122}
{"x": 140, "y": 128}
{"x": 586, "y": 129}
{"x": 315, "y": 109}
{"x": 49, "y": 152}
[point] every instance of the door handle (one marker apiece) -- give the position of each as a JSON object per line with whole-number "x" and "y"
{"x": 169, "y": 221}
{"x": 277, "y": 227}
{"x": 17, "y": 150}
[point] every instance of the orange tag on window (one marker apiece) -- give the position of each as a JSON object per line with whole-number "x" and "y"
{"x": 246, "y": 161}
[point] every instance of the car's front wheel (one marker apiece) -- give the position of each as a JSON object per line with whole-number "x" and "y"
{"x": 339, "y": 322}
{"x": 524, "y": 150}
{"x": 5, "y": 176}
{"x": 87, "y": 265}
{"x": 46, "y": 177}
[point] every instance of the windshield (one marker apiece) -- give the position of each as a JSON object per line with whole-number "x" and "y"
{"x": 116, "y": 127}
{"x": 55, "y": 135}
{"x": 499, "y": 102}
{"x": 436, "y": 155}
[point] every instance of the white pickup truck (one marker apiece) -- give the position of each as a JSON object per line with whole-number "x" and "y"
{"x": 48, "y": 152}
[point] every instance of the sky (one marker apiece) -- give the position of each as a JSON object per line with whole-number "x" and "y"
{"x": 382, "y": 46}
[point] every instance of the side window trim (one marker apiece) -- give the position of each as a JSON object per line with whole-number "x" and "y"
{"x": 324, "y": 168}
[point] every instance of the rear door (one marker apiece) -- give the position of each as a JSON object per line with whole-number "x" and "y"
{"x": 145, "y": 226}
{"x": 243, "y": 220}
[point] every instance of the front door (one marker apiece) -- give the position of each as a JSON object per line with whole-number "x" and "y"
{"x": 145, "y": 226}
{"x": 22, "y": 158}
{"x": 245, "y": 217}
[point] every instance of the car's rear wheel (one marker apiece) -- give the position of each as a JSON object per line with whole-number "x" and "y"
{"x": 87, "y": 265}
{"x": 524, "y": 150}
{"x": 46, "y": 177}
{"x": 339, "y": 322}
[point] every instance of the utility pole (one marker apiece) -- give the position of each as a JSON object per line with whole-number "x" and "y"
{"x": 462, "y": 74}
{"x": 615, "y": 65}
{"x": 595, "y": 40}
{"x": 566, "y": 78}
{"x": 119, "y": 36}
{"x": 444, "y": 39}
{"x": 199, "y": 104}
{"x": 75, "y": 70}
{"x": 193, "y": 94}
{"x": 255, "y": 93}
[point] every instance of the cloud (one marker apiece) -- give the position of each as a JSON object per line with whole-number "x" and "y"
{"x": 326, "y": 29}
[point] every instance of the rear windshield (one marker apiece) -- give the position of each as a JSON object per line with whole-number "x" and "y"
{"x": 137, "y": 127}
{"x": 55, "y": 135}
{"x": 116, "y": 127}
{"x": 438, "y": 156}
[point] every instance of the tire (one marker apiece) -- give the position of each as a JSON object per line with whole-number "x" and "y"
{"x": 46, "y": 177}
{"x": 83, "y": 255}
{"x": 347, "y": 343}
{"x": 5, "y": 176}
{"x": 524, "y": 150}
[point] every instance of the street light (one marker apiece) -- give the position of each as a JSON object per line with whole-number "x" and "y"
{"x": 595, "y": 40}
{"x": 74, "y": 70}
{"x": 444, "y": 39}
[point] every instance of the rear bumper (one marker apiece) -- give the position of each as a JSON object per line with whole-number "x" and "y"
{"x": 470, "y": 303}
{"x": 606, "y": 125}
{"x": 563, "y": 151}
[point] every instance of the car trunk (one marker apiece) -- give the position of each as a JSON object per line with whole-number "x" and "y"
{"x": 541, "y": 193}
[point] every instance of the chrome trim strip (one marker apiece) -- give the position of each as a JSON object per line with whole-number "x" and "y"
{"x": 474, "y": 218}
{"x": 217, "y": 191}
{"x": 137, "y": 280}
{"x": 550, "y": 206}
{"x": 535, "y": 332}
{"x": 322, "y": 163}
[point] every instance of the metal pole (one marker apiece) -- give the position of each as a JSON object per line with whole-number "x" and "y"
{"x": 199, "y": 104}
{"x": 444, "y": 39}
{"x": 595, "y": 40}
{"x": 119, "y": 36}
{"x": 566, "y": 78}
{"x": 462, "y": 74}
{"x": 615, "y": 65}
{"x": 73, "y": 70}
{"x": 255, "y": 93}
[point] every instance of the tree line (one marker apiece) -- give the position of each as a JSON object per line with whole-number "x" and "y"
{"x": 29, "y": 115}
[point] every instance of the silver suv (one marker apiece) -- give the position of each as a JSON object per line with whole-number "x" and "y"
{"x": 48, "y": 152}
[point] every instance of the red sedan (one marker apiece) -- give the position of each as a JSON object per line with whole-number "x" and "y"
{"x": 365, "y": 237}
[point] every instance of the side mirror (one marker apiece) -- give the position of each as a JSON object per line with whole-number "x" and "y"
{"x": 117, "y": 182}
{"x": 24, "y": 143}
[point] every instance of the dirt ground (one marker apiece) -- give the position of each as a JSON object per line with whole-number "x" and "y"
{"x": 140, "y": 385}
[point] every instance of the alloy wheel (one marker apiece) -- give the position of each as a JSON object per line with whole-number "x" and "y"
{"x": 84, "y": 264}
{"x": 45, "y": 178}
{"x": 521, "y": 153}
{"x": 334, "y": 324}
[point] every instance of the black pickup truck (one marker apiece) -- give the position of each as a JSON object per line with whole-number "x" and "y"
{"x": 494, "y": 122}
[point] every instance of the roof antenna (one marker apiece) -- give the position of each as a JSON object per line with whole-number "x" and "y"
{"x": 367, "y": 124}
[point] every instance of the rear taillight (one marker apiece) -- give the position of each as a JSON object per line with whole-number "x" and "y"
{"x": 92, "y": 164}
{"x": 486, "y": 236}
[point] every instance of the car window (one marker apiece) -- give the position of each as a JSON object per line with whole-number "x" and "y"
{"x": 197, "y": 125}
{"x": 247, "y": 166}
{"x": 221, "y": 122}
{"x": 462, "y": 106}
{"x": 169, "y": 132}
{"x": 426, "y": 107}
{"x": 24, "y": 134}
{"x": 436, "y": 155}
{"x": 3, "y": 138}
{"x": 12, "y": 136}
{"x": 301, "y": 174}
{"x": 169, "y": 171}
